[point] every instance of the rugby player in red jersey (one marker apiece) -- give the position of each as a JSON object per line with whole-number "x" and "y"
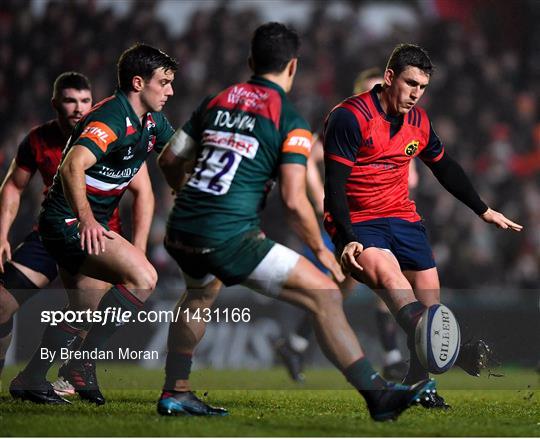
{"x": 369, "y": 140}
{"x": 31, "y": 268}
{"x": 291, "y": 349}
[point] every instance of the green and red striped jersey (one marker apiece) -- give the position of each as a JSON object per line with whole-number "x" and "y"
{"x": 121, "y": 143}
{"x": 244, "y": 134}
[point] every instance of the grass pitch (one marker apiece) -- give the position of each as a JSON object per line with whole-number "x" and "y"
{"x": 266, "y": 403}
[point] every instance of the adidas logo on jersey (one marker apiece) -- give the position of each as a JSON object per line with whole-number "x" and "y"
{"x": 367, "y": 142}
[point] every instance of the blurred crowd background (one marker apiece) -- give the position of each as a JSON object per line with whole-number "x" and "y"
{"x": 483, "y": 97}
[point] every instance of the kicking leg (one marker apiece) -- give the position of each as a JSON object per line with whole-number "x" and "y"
{"x": 394, "y": 367}
{"x": 307, "y": 287}
{"x": 383, "y": 274}
{"x": 474, "y": 355}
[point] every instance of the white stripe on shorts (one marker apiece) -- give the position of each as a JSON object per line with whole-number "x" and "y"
{"x": 272, "y": 272}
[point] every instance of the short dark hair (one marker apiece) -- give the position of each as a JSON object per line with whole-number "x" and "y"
{"x": 409, "y": 55}
{"x": 141, "y": 60}
{"x": 74, "y": 80}
{"x": 273, "y": 45}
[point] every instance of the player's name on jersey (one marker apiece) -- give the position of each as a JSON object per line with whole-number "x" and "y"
{"x": 97, "y": 354}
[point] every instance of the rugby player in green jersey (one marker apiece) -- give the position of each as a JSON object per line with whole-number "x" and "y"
{"x": 31, "y": 268}
{"x": 106, "y": 150}
{"x": 234, "y": 143}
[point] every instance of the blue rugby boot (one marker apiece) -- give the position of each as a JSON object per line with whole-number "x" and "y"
{"x": 388, "y": 403}
{"x": 186, "y": 403}
{"x": 433, "y": 401}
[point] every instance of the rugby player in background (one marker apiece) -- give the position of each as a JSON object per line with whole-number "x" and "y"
{"x": 104, "y": 154}
{"x": 31, "y": 268}
{"x": 234, "y": 143}
{"x": 369, "y": 140}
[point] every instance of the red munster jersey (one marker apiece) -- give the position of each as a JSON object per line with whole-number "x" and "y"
{"x": 378, "y": 148}
{"x": 41, "y": 150}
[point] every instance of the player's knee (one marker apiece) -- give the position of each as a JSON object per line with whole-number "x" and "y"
{"x": 17, "y": 285}
{"x": 390, "y": 280}
{"x": 147, "y": 278}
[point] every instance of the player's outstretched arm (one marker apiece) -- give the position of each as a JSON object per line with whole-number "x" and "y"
{"x": 304, "y": 220}
{"x": 11, "y": 190}
{"x": 453, "y": 178}
{"x": 493, "y": 217}
{"x": 142, "y": 209}
{"x": 92, "y": 233}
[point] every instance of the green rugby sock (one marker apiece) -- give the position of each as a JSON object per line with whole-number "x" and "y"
{"x": 54, "y": 338}
{"x": 177, "y": 367}
{"x": 118, "y": 297}
{"x": 363, "y": 377}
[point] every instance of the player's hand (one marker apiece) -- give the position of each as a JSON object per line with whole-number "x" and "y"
{"x": 493, "y": 217}
{"x": 348, "y": 257}
{"x": 5, "y": 251}
{"x": 327, "y": 258}
{"x": 93, "y": 236}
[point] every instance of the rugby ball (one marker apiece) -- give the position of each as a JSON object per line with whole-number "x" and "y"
{"x": 437, "y": 339}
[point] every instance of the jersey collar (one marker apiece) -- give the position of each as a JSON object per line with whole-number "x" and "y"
{"x": 122, "y": 97}
{"x": 375, "y": 98}
{"x": 259, "y": 80}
